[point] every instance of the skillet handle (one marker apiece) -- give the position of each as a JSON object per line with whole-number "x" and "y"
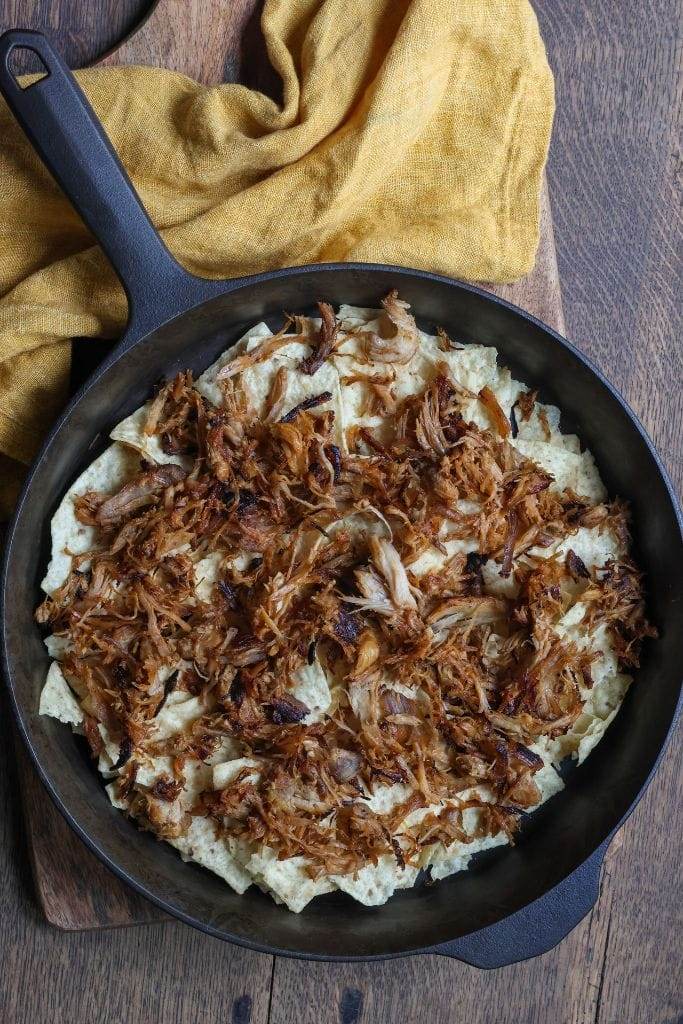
{"x": 63, "y": 128}
{"x": 536, "y": 928}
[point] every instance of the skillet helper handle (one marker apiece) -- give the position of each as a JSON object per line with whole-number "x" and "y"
{"x": 63, "y": 128}
{"x": 536, "y": 928}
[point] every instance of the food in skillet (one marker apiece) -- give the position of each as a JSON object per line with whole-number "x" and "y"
{"x": 336, "y": 611}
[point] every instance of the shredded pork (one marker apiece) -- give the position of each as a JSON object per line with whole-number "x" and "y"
{"x": 314, "y": 548}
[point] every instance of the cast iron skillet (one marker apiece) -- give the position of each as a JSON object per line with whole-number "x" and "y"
{"x": 515, "y": 903}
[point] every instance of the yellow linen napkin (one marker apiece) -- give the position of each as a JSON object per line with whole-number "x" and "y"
{"x": 411, "y": 132}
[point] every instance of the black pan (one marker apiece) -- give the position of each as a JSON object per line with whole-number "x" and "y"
{"x": 513, "y": 903}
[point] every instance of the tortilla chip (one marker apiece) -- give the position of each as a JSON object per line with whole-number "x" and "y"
{"x": 571, "y": 443}
{"x": 202, "y": 845}
{"x": 548, "y": 781}
{"x": 383, "y": 799}
{"x": 110, "y": 753}
{"x": 116, "y": 801}
{"x": 472, "y": 366}
{"x": 106, "y": 474}
{"x": 571, "y": 627}
{"x": 312, "y": 687}
{"x": 590, "y": 485}
{"x": 177, "y": 713}
{"x": 206, "y": 573}
{"x": 447, "y": 860}
{"x": 373, "y": 884}
{"x": 57, "y": 646}
{"x": 501, "y": 586}
{"x": 563, "y": 465}
{"x": 131, "y": 432}
{"x": 227, "y": 749}
{"x": 432, "y": 560}
{"x": 287, "y": 879}
{"x": 589, "y": 728}
{"x": 227, "y": 772}
{"x": 506, "y": 389}
{"x": 602, "y": 699}
{"x": 593, "y": 546}
{"x": 533, "y": 429}
{"x": 198, "y": 776}
{"x": 356, "y": 316}
{"x": 57, "y": 699}
{"x": 206, "y": 384}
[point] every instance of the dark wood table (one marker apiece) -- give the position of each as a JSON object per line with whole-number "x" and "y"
{"x": 615, "y": 186}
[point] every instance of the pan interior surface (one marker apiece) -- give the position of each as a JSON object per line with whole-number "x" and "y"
{"x": 558, "y": 837}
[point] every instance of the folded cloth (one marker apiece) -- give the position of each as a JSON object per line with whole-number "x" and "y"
{"x": 410, "y": 131}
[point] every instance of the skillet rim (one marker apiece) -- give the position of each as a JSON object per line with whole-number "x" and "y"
{"x": 215, "y": 289}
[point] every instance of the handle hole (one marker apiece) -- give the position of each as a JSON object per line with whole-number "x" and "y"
{"x": 24, "y": 60}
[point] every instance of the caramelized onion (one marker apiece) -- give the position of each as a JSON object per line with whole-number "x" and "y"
{"x": 326, "y": 342}
{"x": 396, "y": 703}
{"x": 344, "y": 764}
{"x": 575, "y": 567}
{"x": 308, "y": 403}
{"x": 492, "y": 406}
{"x": 288, "y": 709}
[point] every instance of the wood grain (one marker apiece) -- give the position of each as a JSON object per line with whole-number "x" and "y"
{"x": 616, "y": 166}
{"x": 75, "y": 890}
{"x": 84, "y": 31}
{"x": 540, "y": 292}
{"x": 615, "y": 180}
{"x": 202, "y": 40}
{"x": 616, "y": 169}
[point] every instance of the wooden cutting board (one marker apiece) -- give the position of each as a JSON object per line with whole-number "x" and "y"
{"x": 213, "y": 42}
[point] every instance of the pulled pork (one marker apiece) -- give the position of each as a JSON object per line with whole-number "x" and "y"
{"x": 438, "y": 685}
